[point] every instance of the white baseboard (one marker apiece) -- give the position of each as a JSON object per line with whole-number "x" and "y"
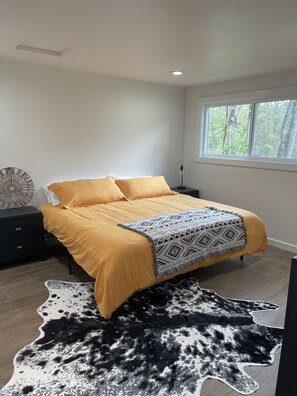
{"x": 282, "y": 245}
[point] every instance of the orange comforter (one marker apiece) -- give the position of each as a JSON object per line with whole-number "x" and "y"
{"x": 120, "y": 260}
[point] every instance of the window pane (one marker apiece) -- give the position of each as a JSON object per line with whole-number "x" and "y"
{"x": 228, "y": 130}
{"x": 275, "y": 129}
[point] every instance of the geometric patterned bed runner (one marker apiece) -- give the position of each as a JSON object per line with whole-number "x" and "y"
{"x": 183, "y": 238}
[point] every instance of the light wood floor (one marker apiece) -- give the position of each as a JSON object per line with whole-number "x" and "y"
{"x": 262, "y": 276}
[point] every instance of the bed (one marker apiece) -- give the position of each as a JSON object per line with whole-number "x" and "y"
{"x": 120, "y": 260}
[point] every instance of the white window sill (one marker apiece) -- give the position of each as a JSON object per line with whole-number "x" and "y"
{"x": 248, "y": 163}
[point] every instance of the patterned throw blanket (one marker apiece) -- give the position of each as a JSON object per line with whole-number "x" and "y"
{"x": 183, "y": 238}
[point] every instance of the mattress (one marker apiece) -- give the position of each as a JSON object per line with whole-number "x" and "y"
{"x": 120, "y": 260}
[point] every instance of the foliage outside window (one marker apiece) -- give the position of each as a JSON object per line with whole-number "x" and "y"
{"x": 265, "y": 130}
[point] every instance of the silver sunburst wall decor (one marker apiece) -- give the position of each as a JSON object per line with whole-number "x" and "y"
{"x": 16, "y": 188}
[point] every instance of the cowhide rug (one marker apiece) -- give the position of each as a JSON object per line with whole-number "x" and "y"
{"x": 165, "y": 340}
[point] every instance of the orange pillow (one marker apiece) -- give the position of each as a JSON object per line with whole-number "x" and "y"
{"x": 144, "y": 187}
{"x": 86, "y": 192}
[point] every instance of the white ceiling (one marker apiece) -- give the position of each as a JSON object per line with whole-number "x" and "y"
{"x": 211, "y": 40}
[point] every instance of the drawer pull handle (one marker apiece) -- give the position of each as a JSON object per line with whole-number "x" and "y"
{"x": 20, "y": 247}
{"x": 18, "y": 229}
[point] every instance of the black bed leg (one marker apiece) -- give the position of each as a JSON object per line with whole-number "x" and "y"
{"x": 241, "y": 258}
{"x": 69, "y": 263}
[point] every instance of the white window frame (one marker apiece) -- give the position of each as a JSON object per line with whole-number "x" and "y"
{"x": 268, "y": 95}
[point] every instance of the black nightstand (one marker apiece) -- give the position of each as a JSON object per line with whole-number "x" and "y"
{"x": 21, "y": 234}
{"x": 193, "y": 192}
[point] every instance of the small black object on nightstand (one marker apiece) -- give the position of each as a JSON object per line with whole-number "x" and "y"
{"x": 21, "y": 234}
{"x": 193, "y": 192}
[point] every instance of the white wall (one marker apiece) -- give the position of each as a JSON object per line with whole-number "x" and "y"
{"x": 269, "y": 193}
{"x": 58, "y": 125}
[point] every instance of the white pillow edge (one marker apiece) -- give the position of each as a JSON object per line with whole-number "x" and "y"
{"x": 51, "y": 196}
{"x": 117, "y": 177}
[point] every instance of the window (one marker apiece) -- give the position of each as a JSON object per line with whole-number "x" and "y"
{"x": 258, "y": 130}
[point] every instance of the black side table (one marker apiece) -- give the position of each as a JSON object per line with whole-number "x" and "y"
{"x": 21, "y": 234}
{"x": 193, "y": 192}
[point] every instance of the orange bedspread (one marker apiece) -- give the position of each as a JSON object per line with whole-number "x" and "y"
{"x": 121, "y": 260}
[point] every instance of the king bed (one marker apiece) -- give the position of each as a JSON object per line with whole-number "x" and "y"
{"x": 93, "y": 221}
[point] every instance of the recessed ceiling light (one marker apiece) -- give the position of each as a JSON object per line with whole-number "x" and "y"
{"x": 42, "y": 50}
{"x": 177, "y": 72}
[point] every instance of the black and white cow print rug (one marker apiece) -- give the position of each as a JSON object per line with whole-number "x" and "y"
{"x": 166, "y": 340}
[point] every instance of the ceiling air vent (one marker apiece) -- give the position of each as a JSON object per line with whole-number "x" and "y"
{"x": 42, "y": 50}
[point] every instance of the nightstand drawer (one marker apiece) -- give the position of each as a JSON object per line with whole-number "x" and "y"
{"x": 19, "y": 228}
{"x": 14, "y": 250}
